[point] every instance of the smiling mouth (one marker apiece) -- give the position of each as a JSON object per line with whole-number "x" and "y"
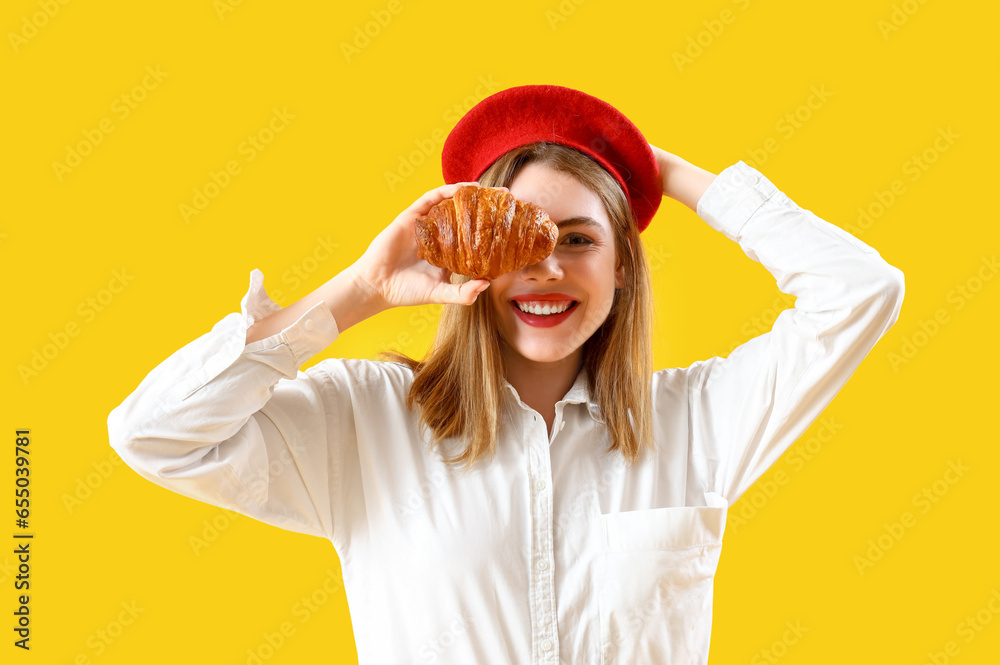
{"x": 544, "y": 308}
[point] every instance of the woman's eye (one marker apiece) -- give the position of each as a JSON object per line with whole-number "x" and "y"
{"x": 583, "y": 240}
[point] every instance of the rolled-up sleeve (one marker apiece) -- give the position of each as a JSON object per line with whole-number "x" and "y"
{"x": 238, "y": 425}
{"x": 748, "y": 408}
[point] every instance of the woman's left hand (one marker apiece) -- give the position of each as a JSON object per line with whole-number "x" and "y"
{"x": 681, "y": 180}
{"x": 666, "y": 162}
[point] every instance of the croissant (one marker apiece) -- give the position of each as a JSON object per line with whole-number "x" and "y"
{"x": 484, "y": 232}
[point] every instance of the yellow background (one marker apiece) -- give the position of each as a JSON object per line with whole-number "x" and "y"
{"x": 356, "y": 116}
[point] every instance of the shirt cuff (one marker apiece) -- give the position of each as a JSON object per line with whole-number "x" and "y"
{"x": 315, "y": 330}
{"x": 733, "y": 197}
{"x": 285, "y": 350}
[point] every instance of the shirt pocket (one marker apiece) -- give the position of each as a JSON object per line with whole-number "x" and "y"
{"x": 656, "y": 571}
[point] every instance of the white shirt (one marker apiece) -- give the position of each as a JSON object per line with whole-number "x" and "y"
{"x": 553, "y": 552}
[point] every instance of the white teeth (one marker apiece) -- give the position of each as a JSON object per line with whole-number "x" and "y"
{"x": 542, "y": 308}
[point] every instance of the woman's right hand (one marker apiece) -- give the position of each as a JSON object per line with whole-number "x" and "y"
{"x": 390, "y": 272}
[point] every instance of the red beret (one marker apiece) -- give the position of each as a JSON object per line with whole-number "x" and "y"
{"x": 525, "y": 114}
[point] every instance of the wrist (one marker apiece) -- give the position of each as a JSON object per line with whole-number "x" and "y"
{"x": 685, "y": 182}
{"x": 351, "y": 298}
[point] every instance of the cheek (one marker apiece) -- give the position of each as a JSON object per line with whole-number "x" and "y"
{"x": 498, "y": 288}
{"x": 500, "y": 312}
{"x": 598, "y": 270}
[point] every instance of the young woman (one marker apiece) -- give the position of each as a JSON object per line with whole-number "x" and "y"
{"x": 531, "y": 491}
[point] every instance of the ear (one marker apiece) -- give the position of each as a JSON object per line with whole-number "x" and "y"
{"x": 620, "y": 270}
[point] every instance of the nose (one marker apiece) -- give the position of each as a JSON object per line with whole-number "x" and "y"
{"x": 546, "y": 270}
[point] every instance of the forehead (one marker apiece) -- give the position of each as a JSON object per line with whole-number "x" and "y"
{"x": 560, "y": 194}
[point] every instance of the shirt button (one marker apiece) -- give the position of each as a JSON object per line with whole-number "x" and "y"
{"x": 546, "y": 645}
{"x": 542, "y": 564}
{"x": 309, "y": 325}
{"x": 539, "y": 484}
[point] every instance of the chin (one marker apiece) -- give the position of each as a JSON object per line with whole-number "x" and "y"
{"x": 545, "y": 354}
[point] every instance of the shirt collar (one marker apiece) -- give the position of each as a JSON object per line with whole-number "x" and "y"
{"x": 579, "y": 393}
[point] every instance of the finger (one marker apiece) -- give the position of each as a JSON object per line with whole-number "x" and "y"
{"x": 435, "y": 196}
{"x": 465, "y": 293}
{"x": 469, "y": 291}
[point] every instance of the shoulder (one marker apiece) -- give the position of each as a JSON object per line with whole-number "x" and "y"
{"x": 362, "y": 374}
{"x": 682, "y": 379}
{"x": 672, "y": 378}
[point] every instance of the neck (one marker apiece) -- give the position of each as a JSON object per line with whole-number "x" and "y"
{"x": 541, "y": 384}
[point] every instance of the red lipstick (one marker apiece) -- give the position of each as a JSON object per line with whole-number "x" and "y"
{"x": 539, "y": 297}
{"x": 543, "y": 320}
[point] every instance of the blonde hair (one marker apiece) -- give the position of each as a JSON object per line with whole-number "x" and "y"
{"x": 460, "y": 383}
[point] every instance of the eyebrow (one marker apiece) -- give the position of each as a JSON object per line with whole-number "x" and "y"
{"x": 581, "y": 220}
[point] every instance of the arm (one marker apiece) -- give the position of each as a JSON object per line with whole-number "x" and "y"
{"x": 682, "y": 181}
{"x": 216, "y": 422}
{"x": 230, "y": 420}
{"x": 748, "y": 408}
{"x": 346, "y": 297}
{"x": 387, "y": 275}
